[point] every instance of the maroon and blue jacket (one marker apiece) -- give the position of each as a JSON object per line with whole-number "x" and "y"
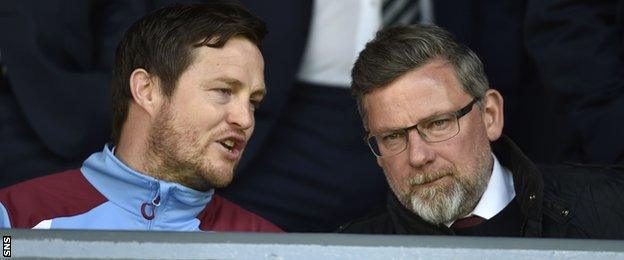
{"x": 106, "y": 194}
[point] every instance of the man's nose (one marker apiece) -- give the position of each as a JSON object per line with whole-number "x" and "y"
{"x": 241, "y": 114}
{"x": 419, "y": 151}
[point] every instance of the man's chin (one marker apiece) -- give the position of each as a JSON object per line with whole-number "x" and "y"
{"x": 219, "y": 178}
{"x": 438, "y": 204}
{"x": 220, "y": 184}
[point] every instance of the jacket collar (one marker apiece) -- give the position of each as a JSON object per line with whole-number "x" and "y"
{"x": 130, "y": 189}
{"x": 528, "y": 183}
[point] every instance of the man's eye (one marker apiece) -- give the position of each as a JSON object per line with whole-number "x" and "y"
{"x": 393, "y": 136}
{"x": 442, "y": 122}
{"x": 439, "y": 124}
{"x": 226, "y": 91}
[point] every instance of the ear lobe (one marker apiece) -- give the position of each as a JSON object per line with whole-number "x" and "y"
{"x": 493, "y": 116}
{"x": 144, "y": 91}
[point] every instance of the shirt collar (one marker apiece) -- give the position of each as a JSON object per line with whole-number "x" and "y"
{"x": 499, "y": 192}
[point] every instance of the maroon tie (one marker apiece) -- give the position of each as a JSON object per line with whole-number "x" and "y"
{"x": 467, "y": 222}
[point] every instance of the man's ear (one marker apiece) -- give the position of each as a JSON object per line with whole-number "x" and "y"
{"x": 145, "y": 93}
{"x": 493, "y": 117}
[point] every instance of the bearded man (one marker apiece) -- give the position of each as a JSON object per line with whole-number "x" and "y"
{"x": 186, "y": 81}
{"x": 435, "y": 127}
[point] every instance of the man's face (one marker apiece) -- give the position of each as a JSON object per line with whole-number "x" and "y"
{"x": 438, "y": 181}
{"x": 200, "y": 133}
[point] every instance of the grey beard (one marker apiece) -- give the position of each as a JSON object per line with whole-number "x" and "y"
{"x": 439, "y": 206}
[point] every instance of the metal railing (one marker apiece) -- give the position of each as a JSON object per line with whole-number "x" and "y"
{"x": 195, "y": 245}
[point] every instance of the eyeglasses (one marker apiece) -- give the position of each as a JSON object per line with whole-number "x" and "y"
{"x": 435, "y": 129}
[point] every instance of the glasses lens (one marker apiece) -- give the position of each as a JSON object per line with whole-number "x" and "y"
{"x": 388, "y": 144}
{"x": 440, "y": 128}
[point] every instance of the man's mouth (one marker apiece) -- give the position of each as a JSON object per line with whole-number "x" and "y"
{"x": 426, "y": 178}
{"x": 233, "y": 144}
{"x": 228, "y": 144}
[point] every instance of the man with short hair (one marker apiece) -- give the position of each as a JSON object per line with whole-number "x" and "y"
{"x": 186, "y": 81}
{"x": 435, "y": 127}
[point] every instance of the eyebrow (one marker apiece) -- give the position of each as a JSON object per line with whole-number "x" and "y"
{"x": 387, "y": 130}
{"x": 230, "y": 81}
{"x": 235, "y": 83}
{"x": 260, "y": 92}
{"x": 429, "y": 117}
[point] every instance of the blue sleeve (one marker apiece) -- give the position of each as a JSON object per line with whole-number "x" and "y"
{"x": 4, "y": 217}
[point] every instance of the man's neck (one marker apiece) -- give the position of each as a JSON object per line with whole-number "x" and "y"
{"x": 132, "y": 154}
{"x": 150, "y": 164}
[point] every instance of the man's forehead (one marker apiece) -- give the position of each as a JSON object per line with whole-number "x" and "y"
{"x": 430, "y": 83}
{"x": 238, "y": 63}
{"x": 236, "y": 50}
{"x": 421, "y": 93}
{"x": 403, "y": 112}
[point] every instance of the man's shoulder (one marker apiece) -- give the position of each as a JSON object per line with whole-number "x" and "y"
{"x": 62, "y": 194}
{"x": 588, "y": 200}
{"x": 574, "y": 182}
{"x": 378, "y": 222}
{"x": 223, "y": 215}
{"x": 579, "y": 175}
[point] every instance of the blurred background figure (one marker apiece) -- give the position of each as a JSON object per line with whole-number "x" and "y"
{"x": 56, "y": 60}
{"x": 578, "y": 49}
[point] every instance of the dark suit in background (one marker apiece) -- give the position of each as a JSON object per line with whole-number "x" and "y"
{"x": 54, "y": 105}
{"x": 578, "y": 47}
{"x": 494, "y": 30}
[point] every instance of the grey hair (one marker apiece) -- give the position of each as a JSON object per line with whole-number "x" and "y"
{"x": 396, "y": 51}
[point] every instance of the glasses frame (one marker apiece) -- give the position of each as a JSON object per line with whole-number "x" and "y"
{"x": 458, "y": 114}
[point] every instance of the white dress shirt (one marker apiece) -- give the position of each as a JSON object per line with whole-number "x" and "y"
{"x": 339, "y": 31}
{"x": 498, "y": 194}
